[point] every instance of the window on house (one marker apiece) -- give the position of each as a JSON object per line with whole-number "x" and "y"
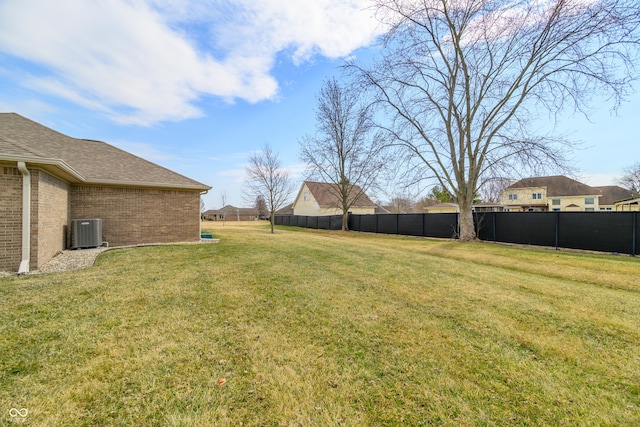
{"x": 589, "y": 209}
{"x": 555, "y": 202}
{"x": 589, "y": 201}
{"x": 306, "y": 196}
{"x": 513, "y": 197}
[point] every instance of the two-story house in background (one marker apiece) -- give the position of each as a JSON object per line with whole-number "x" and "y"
{"x": 561, "y": 194}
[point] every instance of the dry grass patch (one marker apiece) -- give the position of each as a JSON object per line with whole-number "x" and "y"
{"x": 325, "y": 328}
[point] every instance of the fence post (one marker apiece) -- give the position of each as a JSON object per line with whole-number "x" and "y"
{"x": 634, "y": 233}
{"x": 557, "y": 229}
{"x": 493, "y": 216}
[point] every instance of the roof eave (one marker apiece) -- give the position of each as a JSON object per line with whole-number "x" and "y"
{"x": 56, "y": 166}
{"x": 109, "y": 182}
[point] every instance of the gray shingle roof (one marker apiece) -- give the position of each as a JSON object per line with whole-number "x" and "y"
{"x": 82, "y": 160}
{"x": 232, "y": 210}
{"x": 613, "y": 193}
{"x": 557, "y": 186}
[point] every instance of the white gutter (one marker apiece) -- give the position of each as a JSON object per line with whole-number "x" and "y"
{"x": 200, "y": 215}
{"x": 26, "y": 218}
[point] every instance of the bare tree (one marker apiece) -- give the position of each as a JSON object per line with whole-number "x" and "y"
{"x": 463, "y": 82}
{"x": 223, "y": 199}
{"x": 266, "y": 178}
{"x": 344, "y": 150}
{"x": 491, "y": 189}
{"x": 631, "y": 178}
{"x": 261, "y": 207}
{"x": 401, "y": 204}
{"x": 203, "y": 208}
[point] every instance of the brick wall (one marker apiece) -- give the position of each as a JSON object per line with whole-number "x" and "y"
{"x": 129, "y": 215}
{"x": 135, "y": 216}
{"x": 10, "y": 218}
{"x": 50, "y": 208}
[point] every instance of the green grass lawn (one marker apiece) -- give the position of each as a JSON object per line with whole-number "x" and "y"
{"x": 324, "y": 328}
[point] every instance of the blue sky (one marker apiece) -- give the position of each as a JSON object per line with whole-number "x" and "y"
{"x": 197, "y": 85}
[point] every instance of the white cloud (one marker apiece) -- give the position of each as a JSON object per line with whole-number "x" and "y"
{"x": 148, "y": 61}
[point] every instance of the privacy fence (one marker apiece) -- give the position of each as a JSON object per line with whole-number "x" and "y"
{"x": 617, "y": 232}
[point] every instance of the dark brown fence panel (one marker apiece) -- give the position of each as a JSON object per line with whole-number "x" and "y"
{"x": 597, "y": 231}
{"x": 281, "y": 220}
{"x": 527, "y": 228}
{"x": 485, "y": 223}
{"x": 636, "y": 234}
{"x": 411, "y": 224}
{"x": 368, "y": 223}
{"x": 312, "y": 222}
{"x": 354, "y": 222}
{"x": 324, "y": 222}
{"x": 336, "y": 222}
{"x": 444, "y": 225}
{"x": 388, "y": 224}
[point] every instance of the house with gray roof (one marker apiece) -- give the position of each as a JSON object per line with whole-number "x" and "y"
{"x": 560, "y": 193}
{"x": 610, "y": 195}
{"x": 232, "y": 213}
{"x": 49, "y": 179}
{"x": 322, "y": 199}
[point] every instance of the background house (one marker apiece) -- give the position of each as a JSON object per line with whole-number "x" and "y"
{"x": 550, "y": 193}
{"x": 231, "y": 213}
{"x": 443, "y": 208}
{"x": 631, "y": 204}
{"x": 610, "y": 195}
{"x": 320, "y": 199}
{"x": 286, "y": 210}
{"x": 561, "y": 194}
{"x": 48, "y": 179}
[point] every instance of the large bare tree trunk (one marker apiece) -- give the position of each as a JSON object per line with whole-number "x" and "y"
{"x": 467, "y": 229}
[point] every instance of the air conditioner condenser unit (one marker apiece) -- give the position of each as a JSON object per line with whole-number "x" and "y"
{"x": 86, "y": 233}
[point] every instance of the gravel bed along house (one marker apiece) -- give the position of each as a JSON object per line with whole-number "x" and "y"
{"x": 70, "y": 259}
{"x": 74, "y": 259}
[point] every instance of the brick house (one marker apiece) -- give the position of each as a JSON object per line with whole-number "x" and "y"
{"x": 232, "y": 213}
{"x": 47, "y": 179}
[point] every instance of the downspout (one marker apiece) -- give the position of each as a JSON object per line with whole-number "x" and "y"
{"x": 26, "y": 218}
{"x": 200, "y": 215}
